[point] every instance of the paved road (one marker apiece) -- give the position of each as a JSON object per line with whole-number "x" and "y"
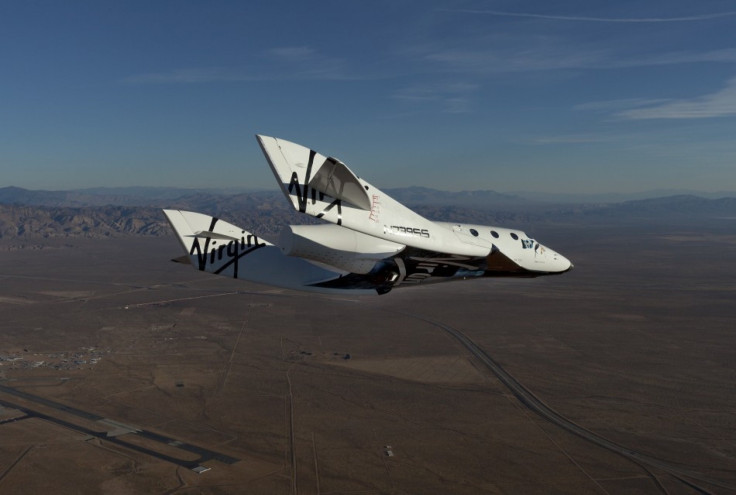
{"x": 536, "y": 405}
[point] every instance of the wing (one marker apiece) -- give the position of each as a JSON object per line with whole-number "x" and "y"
{"x": 326, "y": 188}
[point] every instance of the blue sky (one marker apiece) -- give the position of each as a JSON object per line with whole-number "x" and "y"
{"x": 565, "y": 96}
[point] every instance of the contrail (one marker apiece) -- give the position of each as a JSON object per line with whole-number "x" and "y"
{"x": 693, "y": 18}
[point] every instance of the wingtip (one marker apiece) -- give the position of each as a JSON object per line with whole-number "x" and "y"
{"x": 169, "y": 212}
{"x": 263, "y": 141}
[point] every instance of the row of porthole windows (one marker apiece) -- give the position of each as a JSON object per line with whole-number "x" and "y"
{"x": 494, "y": 234}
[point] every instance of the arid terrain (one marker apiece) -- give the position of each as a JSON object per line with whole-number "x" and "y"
{"x": 122, "y": 372}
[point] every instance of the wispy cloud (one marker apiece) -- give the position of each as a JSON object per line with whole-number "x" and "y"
{"x": 572, "y": 139}
{"x": 513, "y": 55}
{"x": 451, "y": 97}
{"x": 280, "y": 63}
{"x": 547, "y": 53}
{"x": 727, "y": 55}
{"x": 294, "y": 53}
{"x": 619, "y": 104}
{"x": 501, "y": 13}
{"x": 304, "y": 62}
{"x": 506, "y": 47}
{"x": 191, "y": 76}
{"x": 722, "y": 103}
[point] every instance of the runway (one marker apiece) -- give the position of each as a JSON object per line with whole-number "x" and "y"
{"x": 108, "y": 435}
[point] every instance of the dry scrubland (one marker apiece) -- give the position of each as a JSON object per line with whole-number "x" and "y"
{"x": 636, "y": 344}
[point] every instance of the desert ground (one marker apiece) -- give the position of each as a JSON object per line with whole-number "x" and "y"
{"x": 123, "y": 372}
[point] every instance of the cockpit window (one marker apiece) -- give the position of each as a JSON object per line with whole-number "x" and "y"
{"x": 494, "y": 234}
{"x": 514, "y": 236}
{"x": 474, "y": 232}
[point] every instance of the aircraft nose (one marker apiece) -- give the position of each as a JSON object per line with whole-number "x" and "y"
{"x": 553, "y": 261}
{"x": 566, "y": 265}
{"x": 562, "y": 264}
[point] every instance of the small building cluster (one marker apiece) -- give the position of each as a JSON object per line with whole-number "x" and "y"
{"x": 86, "y": 357}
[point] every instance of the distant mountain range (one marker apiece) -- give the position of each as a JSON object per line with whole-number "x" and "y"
{"x": 120, "y": 196}
{"x": 619, "y": 197}
{"x": 161, "y": 196}
{"x": 110, "y": 212}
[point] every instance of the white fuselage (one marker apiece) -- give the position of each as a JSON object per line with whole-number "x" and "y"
{"x": 524, "y": 251}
